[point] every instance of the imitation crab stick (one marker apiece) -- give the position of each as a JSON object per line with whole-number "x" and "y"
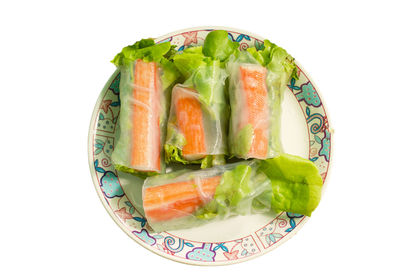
{"x": 190, "y": 122}
{"x": 178, "y": 199}
{"x": 146, "y": 142}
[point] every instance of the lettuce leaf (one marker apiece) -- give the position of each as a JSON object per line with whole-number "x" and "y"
{"x": 217, "y": 45}
{"x": 211, "y": 160}
{"x": 285, "y": 183}
{"x": 202, "y": 73}
{"x": 273, "y": 57}
{"x": 173, "y": 150}
{"x": 296, "y": 184}
{"x": 233, "y": 188}
{"x": 256, "y": 54}
{"x": 189, "y": 60}
{"x": 170, "y": 73}
{"x": 176, "y": 141}
{"x": 128, "y": 170}
{"x": 149, "y": 51}
{"x": 241, "y": 143}
{"x": 277, "y": 59}
{"x": 174, "y": 154}
{"x": 145, "y": 49}
{"x": 209, "y": 82}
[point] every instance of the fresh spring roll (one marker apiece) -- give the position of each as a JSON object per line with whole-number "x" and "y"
{"x": 146, "y": 78}
{"x": 186, "y": 199}
{"x": 198, "y": 119}
{"x": 188, "y": 116}
{"x": 256, "y": 85}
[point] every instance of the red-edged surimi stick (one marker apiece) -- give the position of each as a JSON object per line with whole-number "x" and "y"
{"x": 190, "y": 122}
{"x": 179, "y": 199}
{"x": 146, "y": 140}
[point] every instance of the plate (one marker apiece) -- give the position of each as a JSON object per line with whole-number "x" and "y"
{"x": 305, "y": 132}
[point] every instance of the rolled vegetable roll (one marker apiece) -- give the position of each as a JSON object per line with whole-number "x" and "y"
{"x": 197, "y": 124}
{"x": 256, "y": 85}
{"x": 251, "y": 112}
{"x": 146, "y": 78}
{"x": 186, "y": 199}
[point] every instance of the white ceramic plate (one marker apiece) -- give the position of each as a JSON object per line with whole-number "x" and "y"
{"x": 305, "y": 132}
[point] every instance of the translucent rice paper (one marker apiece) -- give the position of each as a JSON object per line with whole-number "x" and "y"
{"x": 186, "y": 199}
{"x": 197, "y": 124}
{"x": 255, "y": 97}
{"x": 142, "y": 119}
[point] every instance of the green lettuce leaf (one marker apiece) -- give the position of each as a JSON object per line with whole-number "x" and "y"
{"x": 241, "y": 143}
{"x": 212, "y": 160}
{"x": 209, "y": 81}
{"x": 278, "y": 60}
{"x": 262, "y": 201}
{"x": 145, "y": 49}
{"x": 296, "y": 184}
{"x": 128, "y": 170}
{"x": 256, "y": 54}
{"x": 286, "y": 183}
{"x": 189, "y": 60}
{"x": 170, "y": 73}
{"x": 233, "y": 188}
{"x": 174, "y": 154}
{"x": 173, "y": 150}
{"x": 176, "y": 141}
{"x": 275, "y": 58}
{"x": 217, "y": 45}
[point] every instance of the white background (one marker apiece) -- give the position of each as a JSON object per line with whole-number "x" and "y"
{"x": 54, "y": 61}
